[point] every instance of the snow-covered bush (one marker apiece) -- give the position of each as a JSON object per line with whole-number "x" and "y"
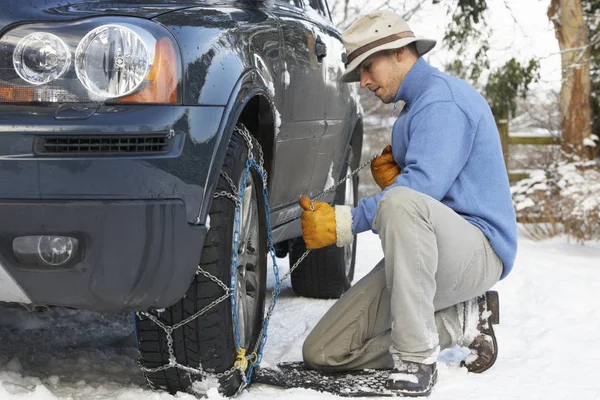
{"x": 565, "y": 198}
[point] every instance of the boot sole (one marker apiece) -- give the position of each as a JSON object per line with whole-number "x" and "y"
{"x": 493, "y": 305}
{"x": 491, "y": 363}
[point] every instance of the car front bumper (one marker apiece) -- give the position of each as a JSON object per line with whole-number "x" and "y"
{"x": 135, "y": 214}
{"x": 181, "y": 171}
{"x": 133, "y": 255}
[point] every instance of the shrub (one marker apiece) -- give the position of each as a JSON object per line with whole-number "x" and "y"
{"x": 564, "y": 199}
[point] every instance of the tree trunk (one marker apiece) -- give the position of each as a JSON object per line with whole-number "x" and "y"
{"x": 574, "y": 42}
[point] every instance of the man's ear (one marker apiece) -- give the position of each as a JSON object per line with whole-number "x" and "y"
{"x": 399, "y": 52}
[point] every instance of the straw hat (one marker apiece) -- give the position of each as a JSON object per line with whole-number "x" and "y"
{"x": 380, "y": 30}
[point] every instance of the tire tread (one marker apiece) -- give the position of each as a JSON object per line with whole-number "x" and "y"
{"x": 200, "y": 342}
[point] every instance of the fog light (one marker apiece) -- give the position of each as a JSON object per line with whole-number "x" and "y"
{"x": 48, "y": 250}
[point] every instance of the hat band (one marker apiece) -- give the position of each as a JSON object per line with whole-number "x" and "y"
{"x": 392, "y": 38}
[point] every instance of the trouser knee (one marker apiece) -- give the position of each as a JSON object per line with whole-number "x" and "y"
{"x": 396, "y": 202}
{"x": 312, "y": 352}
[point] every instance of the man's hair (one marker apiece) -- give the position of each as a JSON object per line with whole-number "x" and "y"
{"x": 412, "y": 47}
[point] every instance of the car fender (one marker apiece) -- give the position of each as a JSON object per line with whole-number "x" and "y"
{"x": 251, "y": 84}
{"x": 218, "y": 47}
{"x": 227, "y": 55}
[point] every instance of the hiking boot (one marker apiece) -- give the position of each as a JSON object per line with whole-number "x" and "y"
{"x": 411, "y": 379}
{"x": 483, "y": 345}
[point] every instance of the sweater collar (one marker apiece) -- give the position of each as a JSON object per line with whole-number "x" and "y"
{"x": 413, "y": 84}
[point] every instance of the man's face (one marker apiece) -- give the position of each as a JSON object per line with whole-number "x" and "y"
{"x": 383, "y": 72}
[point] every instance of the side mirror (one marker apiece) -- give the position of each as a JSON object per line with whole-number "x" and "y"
{"x": 345, "y": 59}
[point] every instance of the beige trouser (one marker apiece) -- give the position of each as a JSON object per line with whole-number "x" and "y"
{"x": 410, "y": 303}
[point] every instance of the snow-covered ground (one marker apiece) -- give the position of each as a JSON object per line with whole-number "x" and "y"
{"x": 550, "y": 321}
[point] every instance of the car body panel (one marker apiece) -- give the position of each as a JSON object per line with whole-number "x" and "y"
{"x": 303, "y": 122}
{"x": 14, "y": 11}
{"x": 136, "y": 254}
{"x": 231, "y": 53}
{"x": 181, "y": 173}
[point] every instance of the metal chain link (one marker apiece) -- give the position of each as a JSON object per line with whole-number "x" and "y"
{"x": 233, "y": 196}
{"x": 229, "y": 292}
{"x": 345, "y": 178}
{"x": 229, "y": 195}
{"x": 230, "y": 181}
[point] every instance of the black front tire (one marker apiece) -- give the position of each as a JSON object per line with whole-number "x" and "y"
{"x": 209, "y": 339}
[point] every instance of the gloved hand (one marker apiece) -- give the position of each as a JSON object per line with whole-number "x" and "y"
{"x": 384, "y": 169}
{"x": 325, "y": 225}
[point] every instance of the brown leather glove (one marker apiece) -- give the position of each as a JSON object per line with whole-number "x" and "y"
{"x": 318, "y": 226}
{"x": 384, "y": 169}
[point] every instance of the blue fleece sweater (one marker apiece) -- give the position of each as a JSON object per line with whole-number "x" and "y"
{"x": 447, "y": 145}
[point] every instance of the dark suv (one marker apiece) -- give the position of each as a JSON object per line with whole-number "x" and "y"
{"x": 124, "y": 124}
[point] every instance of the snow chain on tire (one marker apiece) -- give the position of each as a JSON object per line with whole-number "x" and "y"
{"x": 245, "y": 359}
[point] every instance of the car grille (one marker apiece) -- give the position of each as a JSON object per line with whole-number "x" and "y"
{"x": 102, "y": 145}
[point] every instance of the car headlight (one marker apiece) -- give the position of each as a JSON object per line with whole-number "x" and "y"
{"x": 113, "y": 61}
{"x": 41, "y": 57}
{"x": 107, "y": 59}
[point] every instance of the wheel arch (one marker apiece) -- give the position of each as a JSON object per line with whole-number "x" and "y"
{"x": 251, "y": 103}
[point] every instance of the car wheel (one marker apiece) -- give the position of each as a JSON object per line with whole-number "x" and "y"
{"x": 209, "y": 340}
{"x": 328, "y": 272}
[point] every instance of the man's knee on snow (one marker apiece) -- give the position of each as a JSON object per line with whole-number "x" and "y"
{"x": 312, "y": 353}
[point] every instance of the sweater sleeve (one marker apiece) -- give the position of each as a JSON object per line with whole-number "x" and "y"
{"x": 440, "y": 141}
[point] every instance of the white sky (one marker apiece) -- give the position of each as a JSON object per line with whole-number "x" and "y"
{"x": 523, "y": 32}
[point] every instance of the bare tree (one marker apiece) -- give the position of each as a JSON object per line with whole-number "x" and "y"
{"x": 347, "y": 11}
{"x": 574, "y": 42}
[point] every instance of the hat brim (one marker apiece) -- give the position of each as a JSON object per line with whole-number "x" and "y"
{"x": 423, "y": 46}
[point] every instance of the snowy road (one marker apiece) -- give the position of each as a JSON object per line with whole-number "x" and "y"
{"x": 550, "y": 319}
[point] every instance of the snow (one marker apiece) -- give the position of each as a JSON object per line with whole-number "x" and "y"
{"x": 531, "y": 132}
{"x": 286, "y": 76}
{"x": 271, "y": 88}
{"x": 277, "y": 121}
{"x": 578, "y": 191}
{"x": 526, "y": 203}
{"x": 379, "y": 121}
{"x": 404, "y": 377}
{"x": 550, "y": 318}
{"x": 330, "y": 182}
{"x": 589, "y": 142}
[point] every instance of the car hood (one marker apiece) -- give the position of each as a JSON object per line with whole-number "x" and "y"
{"x": 18, "y": 11}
